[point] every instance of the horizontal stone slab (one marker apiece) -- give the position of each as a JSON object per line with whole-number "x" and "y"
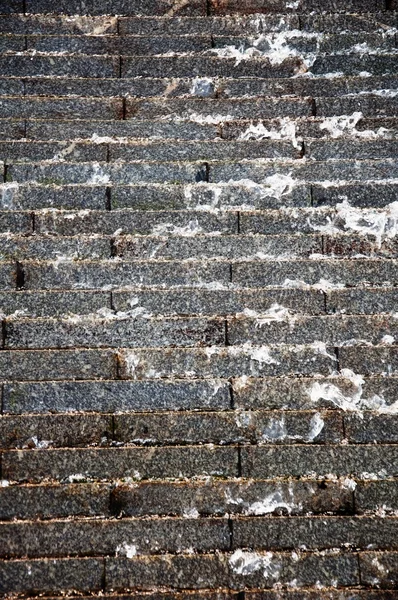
{"x": 111, "y": 44}
{"x": 214, "y": 109}
{"x": 205, "y": 150}
{"x": 369, "y": 195}
{"x": 103, "y": 173}
{"x": 228, "y": 427}
{"x": 380, "y": 361}
{"x": 228, "y": 571}
{"x": 92, "y": 332}
{"x": 371, "y": 105}
{"x": 51, "y": 24}
{"x": 232, "y": 361}
{"x": 223, "y": 196}
{"x": 52, "y": 304}
{"x": 54, "y": 501}
{"x": 54, "y": 248}
{"x": 255, "y": 6}
{"x": 8, "y": 276}
{"x": 317, "y": 87}
{"x": 371, "y": 428}
{"x": 108, "y": 275}
{"x": 366, "y": 301}
{"x": 99, "y": 538}
{"x": 315, "y": 532}
{"x": 361, "y": 149}
{"x": 15, "y": 221}
{"x": 61, "y": 108}
{"x": 36, "y": 197}
{"x": 137, "y": 223}
{"x": 10, "y": 129}
{"x": 308, "y": 171}
{"x": 299, "y": 394}
{"x": 333, "y": 330}
{"x": 117, "y": 463}
{"x": 164, "y": 8}
{"x": 115, "y": 396}
{"x": 215, "y": 246}
{"x": 53, "y": 431}
{"x": 40, "y": 151}
{"x": 233, "y": 497}
{"x": 83, "y": 575}
{"x": 56, "y": 364}
{"x": 333, "y": 273}
{"x": 29, "y": 64}
{"x": 353, "y": 22}
{"x": 207, "y": 66}
{"x": 194, "y": 25}
{"x": 102, "y": 130}
{"x": 383, "y": 64}
{"x": 220, "y": 302}
{"x": 296, "y": 461}
{"x": 376, "y": 496}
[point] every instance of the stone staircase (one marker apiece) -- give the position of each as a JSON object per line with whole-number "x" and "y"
{"x": 198, "y": 292}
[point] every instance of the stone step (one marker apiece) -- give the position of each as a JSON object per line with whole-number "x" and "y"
{"x": 51, "y": 24}
{"x": 220, "y": 571}
{"x": 246, "y": 336}
{"x": 276, "y": 174}
{"x": 242, "y": 196}
{"x": 262, "y": 302}
{"x": 173, "y": 499}
{"x": 188, "y": 150}
{"x": 180, "y": 428}
{"x": 176, "y": 535}
{"x": 296, "y": 43}
{"x": 285, "y": 392}
{"x": 112, "y": 150}
{"x": 190, "y": 461}
{"x": 111, "y": 274}
{"x": 53, "y": 248}
{"x": 182, "y": 302}
{"x": 61, "y": 108}
{"x": 222, "y": 87}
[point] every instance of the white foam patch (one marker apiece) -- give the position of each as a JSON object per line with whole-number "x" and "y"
{"x": 276, "y": 313}
{"x": 127, "y": 550}
{"x": 246, "y": 563}
{"x": 8, "y": 192}
{"x": 98, "y": 176}
{"x": 345, "y": 125}
{"x": 285, "y": 131}
{"x": 273, "y": 46}
{"x": 354, "y": 402}
{"x": 277, "y": 431}
{"x": 191, "y": 229}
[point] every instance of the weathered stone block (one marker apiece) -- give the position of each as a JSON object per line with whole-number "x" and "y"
{"x": 115, "y": 396}
{"x": 54, "y": 501}
{"x": 51, "y": 576}
{"x": 118, "y": 463}
{"x": 57, "y": 364}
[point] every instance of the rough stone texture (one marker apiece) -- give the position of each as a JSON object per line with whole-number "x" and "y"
{"x": 114, "y": 396}
{"x": 223, "y": 302}
{"x": 55, "y": 431}
{"x": 116, "y": 463}
{"x": 219, "y": 497}
{"x": 374, "y": 496}
{"x": 54, "y": 501}
{"x": 340, "y": 460}
{"x": 198, "y": 267}
{"x": 67, "y": 538}
{"x": 55, "y": 364}
{"x": 51, "y": 576}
